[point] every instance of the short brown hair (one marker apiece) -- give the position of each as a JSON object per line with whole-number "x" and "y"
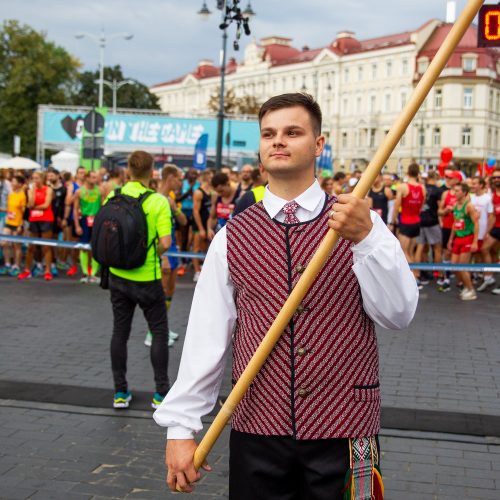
{"x": 140, "y": 164}
{"x": 464, "y": 187}
{"x": 289, "y": 101}
{"x": 413, "y": 170}
{"x": 480, "y": 179}
{"x": 220, "y": 179}
{"x": 169, "y": 169}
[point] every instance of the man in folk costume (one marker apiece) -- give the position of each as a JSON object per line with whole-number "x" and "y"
{"x": 307, "y": 428}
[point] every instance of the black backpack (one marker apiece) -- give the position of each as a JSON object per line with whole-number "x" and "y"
{"x": 120, "y": 232}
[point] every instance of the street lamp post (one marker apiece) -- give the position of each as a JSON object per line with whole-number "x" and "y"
{"x": 102, "y": 40}
{"x": 115, "y": 86}
{"x": 230, "y": 11}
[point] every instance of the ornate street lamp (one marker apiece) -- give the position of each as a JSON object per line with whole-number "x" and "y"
{"x": 230, "y": 12}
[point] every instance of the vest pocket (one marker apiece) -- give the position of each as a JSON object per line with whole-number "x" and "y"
{"x": 369, "y": 392}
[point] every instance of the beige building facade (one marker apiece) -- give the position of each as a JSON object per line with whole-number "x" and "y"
{"x": 362, "y": 86}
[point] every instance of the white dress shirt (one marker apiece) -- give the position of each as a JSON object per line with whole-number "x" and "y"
{"x": 388, "y": 288}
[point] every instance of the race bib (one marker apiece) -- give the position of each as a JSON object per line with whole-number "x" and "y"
{"x": 90, "y": 220}
{"x": 11, "y": 215}
{"x": 459, "y": 225}
{"x": 37, "y": 213}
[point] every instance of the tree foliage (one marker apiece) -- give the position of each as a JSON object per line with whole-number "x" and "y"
{"x": 128, "y": 96}
{"x": 244, "y": 105}
{"x": 33, "y": 71}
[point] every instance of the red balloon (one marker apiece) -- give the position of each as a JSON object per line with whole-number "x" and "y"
{"x": 446, "y": 155}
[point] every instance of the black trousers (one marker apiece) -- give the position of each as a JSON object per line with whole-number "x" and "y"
{"x": 282, "y": 468}
{"x": 125, "y": 295}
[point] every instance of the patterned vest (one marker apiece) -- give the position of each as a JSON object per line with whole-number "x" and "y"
{"x": 321, "y": 379}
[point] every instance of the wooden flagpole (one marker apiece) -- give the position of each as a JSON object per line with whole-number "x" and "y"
{"x": 329, "y": 241}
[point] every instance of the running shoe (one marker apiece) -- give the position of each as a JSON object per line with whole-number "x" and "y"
{"x": 148, "y": 340}
{"x": 25, "y": 275}
{"x": 94, "y": 280}
{"x": 173, "y": 335}
{"x": 196, "y": 276}
{"x": 157, "y": 400}
{"x": 72, "y": 271}
{"x": 468, "y": 295}
{"x": 14, "y": 271}
{"x": 84, "y": 279}
{"x": 48, "y": 276}
{"x": 496, "y": 291}
{"x": 419, "y": 284}
{"x": 54, "y": 271}
{"x": 122, "y": 399}
{"x": 4, "y": 270}
{"x": 181, "y": 271}
{"x": 37, "y": 270}
{"x": 445, "y": 287}
{"x": 63, "y": 266}
{"x": 440, "y": 282}
{"x": 488, "y": 281}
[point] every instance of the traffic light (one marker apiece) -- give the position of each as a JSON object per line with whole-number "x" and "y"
{"x": 488, "y": 30}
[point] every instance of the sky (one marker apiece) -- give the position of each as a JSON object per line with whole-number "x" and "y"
{"x": 170, "y": 38}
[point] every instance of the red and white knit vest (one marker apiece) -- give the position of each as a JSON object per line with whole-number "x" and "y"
{"x": 321, "y": 379}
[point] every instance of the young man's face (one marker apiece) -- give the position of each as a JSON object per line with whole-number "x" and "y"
{"x": 246, "y": 173}
{"x": 475, "y": 186}
{"x": 459, "y": 194}
{"x": 288, "y": 143}
{"x": 80, "y": 174}
{"x": 92, "y": 178}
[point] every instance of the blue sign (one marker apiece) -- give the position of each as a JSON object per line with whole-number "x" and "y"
{"x": 325, "y": 161}
{"x": 200, "y": 153}
{"x": 149, "y": 131}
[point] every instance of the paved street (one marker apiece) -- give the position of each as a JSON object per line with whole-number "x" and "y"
{"x": 440, "y": 381}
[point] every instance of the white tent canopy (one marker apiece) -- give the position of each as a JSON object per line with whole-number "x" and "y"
{"x": 66, "y": 160}
{"x": 20, "y": 163}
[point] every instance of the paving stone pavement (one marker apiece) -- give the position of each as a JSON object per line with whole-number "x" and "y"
{"x": 58, "y": 333}
{"x": 60, "y": 454}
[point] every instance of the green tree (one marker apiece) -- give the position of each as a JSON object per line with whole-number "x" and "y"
{"x": 128, "y": 96}
{"x": 244, "y": 105}
{"x": 33, "y": 71}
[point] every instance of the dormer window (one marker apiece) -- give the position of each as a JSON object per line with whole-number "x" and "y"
{"x": 469, "y": 63}
{"x": 422, "y": 64}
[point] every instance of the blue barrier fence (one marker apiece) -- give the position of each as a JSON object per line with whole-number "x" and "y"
{"x": 422, "y": 266}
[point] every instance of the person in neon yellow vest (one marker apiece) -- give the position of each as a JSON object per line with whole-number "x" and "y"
{"x": 259, "y": 181}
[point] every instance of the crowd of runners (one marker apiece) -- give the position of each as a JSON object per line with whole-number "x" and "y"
{"x": 455, "y": 219}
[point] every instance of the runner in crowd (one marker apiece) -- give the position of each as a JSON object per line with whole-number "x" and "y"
{"x": 189, "y": 186}
{"x": 430, "y": 238}
{"x": 202, "y": 203}
{"x": 115, "y": 180}
{"x": 339, "y": 183}
{"x": 41, "y": 220}
{"x": 16, "y": 204}
{"x": 58, "y": 200}
{"x": 448, "y": 201}
{"x": 463, "y": 240}
{"x": 327, "y": 185}
{"x": 482, "y": 201}
{"x": 5, "y": 189}
{"x": 223, "y": 203}
{"x": 86, "y": 205}
{"x": 259, "y": 178}
{"x": 379, "y": 197}
{"x": 171, "y": 183}
{"x": 410, "y": 198}
{"x": 68, "y": 222}
{"x": 245, "y": 177}
{"x": 492, "y": 239}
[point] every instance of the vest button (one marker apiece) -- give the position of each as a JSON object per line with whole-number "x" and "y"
{"x": 300, "y": 309}
{"x": 300, "y": 268}
{"x": 303, "y": 392}
{"x": 301, "y": 351}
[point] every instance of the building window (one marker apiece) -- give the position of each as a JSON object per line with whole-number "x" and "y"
{"x": 404, "y": 67}
{"x": 436, "y": 138}
{"x": 466, "y": 136}
{"x": 358, "y": 105}
{"x": 345, "y": 105}
{"x": 469, "y": 63}
{"x": 421, "y": 136}
{"x": 497, "y": 105}
{"x": 467, "y": 98}
{"x": 374, "y": 71}
{"x": 438, "y": 98}
{"x": 388, "y": 69}
{"x": 496, "y": 138}
{"x": 373, "y": 103}
{"x": 344, "y": 139}
{"x": 346, "y": 75}
{"x": 403, "y": 99}
{"x": 387, "y": 102}
{"x": 422, "y": 64}
{"x": 490, "y": 137}
{"x": 360, "y": 73}
{"x": 372, "y": 137}
{"x": 402, "y": 141}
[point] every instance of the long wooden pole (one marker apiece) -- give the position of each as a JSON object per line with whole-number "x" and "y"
{"x": 328, "y": 243}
